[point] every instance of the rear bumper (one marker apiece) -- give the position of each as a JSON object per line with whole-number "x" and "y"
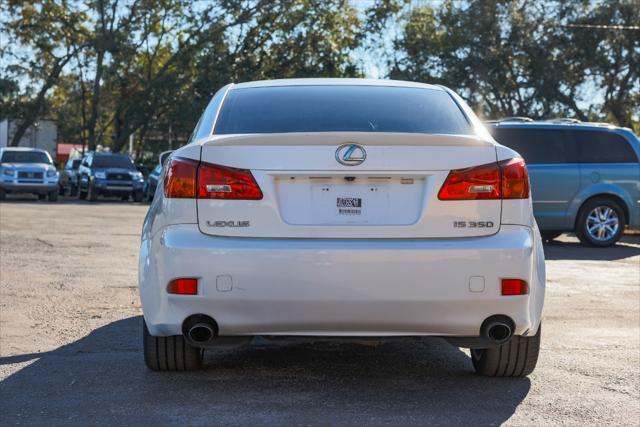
{"x": 341, "y": 287}
{"x": 39, "y": 188}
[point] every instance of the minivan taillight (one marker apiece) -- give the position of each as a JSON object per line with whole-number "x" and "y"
{"x": 507, "y": 179}
{"x": 222, "y": 182}
{"x": 180, "y": 178}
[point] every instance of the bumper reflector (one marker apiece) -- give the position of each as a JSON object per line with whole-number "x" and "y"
{"x": 514, "y": 287}
{"x": 183, "y": 286}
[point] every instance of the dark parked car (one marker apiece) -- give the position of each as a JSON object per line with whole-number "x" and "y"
{"x": 69, "y": 177}
{"x": 106, "y": 174}
{"x": 151, "y": 183}
{"x": 585, "y": 177}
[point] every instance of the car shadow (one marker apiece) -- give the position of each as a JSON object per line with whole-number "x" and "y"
{"x": 101, "y": 378}
{"x": 627, "y": 247}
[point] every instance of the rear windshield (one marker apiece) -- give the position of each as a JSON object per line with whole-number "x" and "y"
{"x": 112, "y": 162}
{"x": 25, "y": 157}
{"x": 281, "y": 109}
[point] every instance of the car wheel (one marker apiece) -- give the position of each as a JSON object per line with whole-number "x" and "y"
{"x": 42, "y": 196}
{"x": 53, "y": 196}
{"x": 92, "y": 195}
{"x": 600, "y": 222}
{"x": 171, "y": 353}
{"x": 73, "y": 190}
{"x": 137, "y": 196}
{"x": 62, "y": 190}
{"x": 550, "y": 235}
{"x": 124, "y": 198}
{"x": 516, "y": 358}
{"x": 3, "y": 195}
{"x": 81, "y": 194}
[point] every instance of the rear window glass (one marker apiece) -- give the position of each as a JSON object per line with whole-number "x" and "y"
{"x": 123, "y": 162}
{"x": 537, "y": 146}
{"x": 603, "y": 147}
{"x": 282, "y": 109}
{"x": 25, "y": 157}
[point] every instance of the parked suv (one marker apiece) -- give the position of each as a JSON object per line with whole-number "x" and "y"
{"x": 585, "y": 177}
{"x": 342, "y": 208}
{"x": 106, "y": 174}
{"x": 69, "y": 177}
{"x": 28, "y": 170}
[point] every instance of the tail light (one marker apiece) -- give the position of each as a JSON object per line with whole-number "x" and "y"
{"x": 515, "y": 179}
{"x": 514, "y": 287}
{"x": 185, "y": 178}
{"x": 221, "y": 182}
{"x": 180, "y": 178}
{"x": 507, "y": 179}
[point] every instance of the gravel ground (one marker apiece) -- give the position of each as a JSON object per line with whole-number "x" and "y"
{"x": 70, "y": 345}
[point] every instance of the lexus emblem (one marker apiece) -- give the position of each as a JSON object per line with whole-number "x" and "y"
{"x": 351, "y": 154}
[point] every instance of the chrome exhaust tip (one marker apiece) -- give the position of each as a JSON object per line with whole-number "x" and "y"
{"x": 200, "y": 333}
{"x": 199, "y": 329}
{"x": 498, "y": 329}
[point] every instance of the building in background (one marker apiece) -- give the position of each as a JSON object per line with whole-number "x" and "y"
{"x": 42, "y": 134}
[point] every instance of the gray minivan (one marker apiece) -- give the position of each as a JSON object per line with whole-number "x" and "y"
{"x": 585, "y": 177}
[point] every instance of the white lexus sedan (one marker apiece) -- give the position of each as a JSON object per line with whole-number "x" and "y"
{"x": 342, "y": 208}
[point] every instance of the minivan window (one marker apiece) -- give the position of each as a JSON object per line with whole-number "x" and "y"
{"x": 603, "y": 147}
{"x": 25, "y": 157}
{"x": 537, "y": 146}
{"x": 338, "y": 108}
{"x": 123, "y": 162}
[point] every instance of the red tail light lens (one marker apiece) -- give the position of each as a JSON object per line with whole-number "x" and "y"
{"x": 222, "y": 182}
{"x": 180, "y": 178}
{"x": 183, "y": 286}
{"x": 514, "y": 287}
{"x": 477, "y": 183}
{"x": 507, "y": 179}
{"x": 515, "y": 179}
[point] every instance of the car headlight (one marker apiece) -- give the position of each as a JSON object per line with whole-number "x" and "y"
{"x": 100, "y": 175}
{"x": 9, "y": 172}
{"x": 51, "y": 173}
{"x": 137, "y": 176}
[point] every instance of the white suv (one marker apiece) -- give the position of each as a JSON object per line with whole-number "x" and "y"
{"x": 342, "y": 207}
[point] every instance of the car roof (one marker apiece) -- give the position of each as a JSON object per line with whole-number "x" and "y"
{"x": 334, "y": 82}
{"x": 554, "y": 125}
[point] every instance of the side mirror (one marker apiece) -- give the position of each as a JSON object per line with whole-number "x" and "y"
{"x": 164, "y": 156}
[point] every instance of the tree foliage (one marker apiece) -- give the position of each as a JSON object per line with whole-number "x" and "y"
{"x": 109, "y": 69}
{"x": 523, "y": 58}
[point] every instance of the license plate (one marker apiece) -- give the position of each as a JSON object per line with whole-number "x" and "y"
{"x": 349, "y": 204}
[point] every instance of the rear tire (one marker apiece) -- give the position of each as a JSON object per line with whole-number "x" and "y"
{"x": 171, "y": 353}
{"x": 596, "y": 211}
{"x": 91, "y": 193}
{"x": 516, "y": 358}
{"x": 53, "y": 196}
{"x": 81, "y": 194}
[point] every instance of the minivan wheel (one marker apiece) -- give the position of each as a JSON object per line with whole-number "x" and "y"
{"x": 600, "y": 222}
{"x": 515, "y": 358}
{"x": 171, "y": 353}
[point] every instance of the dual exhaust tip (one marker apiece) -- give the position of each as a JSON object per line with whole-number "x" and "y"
{"x": 200, "y": 329}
